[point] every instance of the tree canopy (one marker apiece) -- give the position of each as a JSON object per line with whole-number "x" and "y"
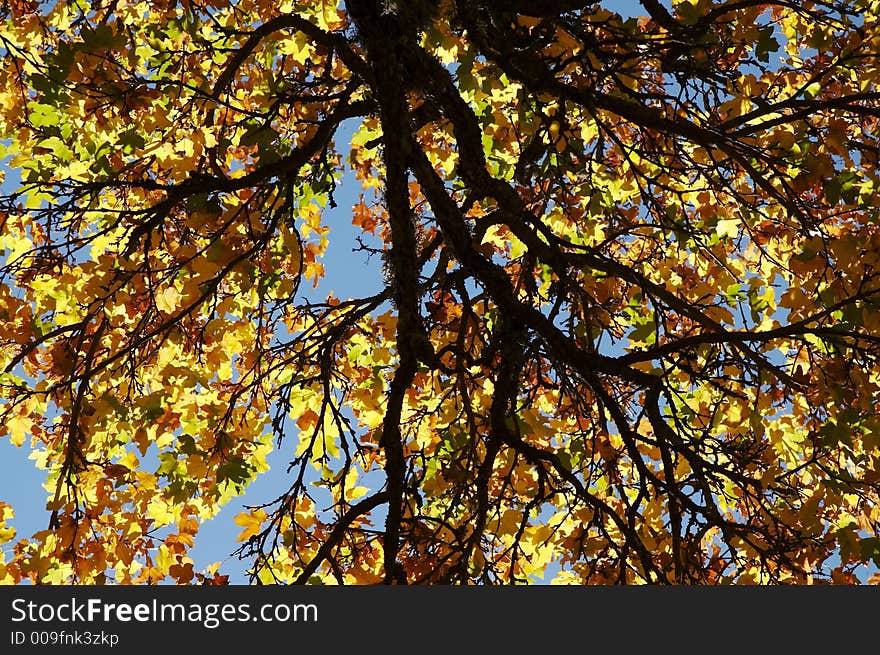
{"x": 627, "y": 329}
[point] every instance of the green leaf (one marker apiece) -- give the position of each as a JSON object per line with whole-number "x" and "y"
{"x": 100, "y": 38}
{"x": 646, "y": 332}
{"x": 43, "y": 115}
{"x": 812, "y": 90}
{"x": 235, "y": 470}
{"x": 167, "y": 464}
{"x": 58, "y": 148}
{"x": 734, "y": 294}
{"x": 766, "y": 44}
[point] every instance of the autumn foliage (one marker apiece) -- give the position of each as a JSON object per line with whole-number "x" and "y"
{"x": 627, "y": 328}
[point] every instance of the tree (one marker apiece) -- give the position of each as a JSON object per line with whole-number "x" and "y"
{"x": 629, "y": 320}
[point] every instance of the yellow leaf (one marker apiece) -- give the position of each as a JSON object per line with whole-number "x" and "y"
{"x": 165, "y": 559}
{"x": 19, "y": 427}
{"x": 727, "y": 228}
{"x": 292, "y": 245}
{"x": 167, "y": 300}
{"x": 357, "y": 492}
{"x": 251, "y": 522}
